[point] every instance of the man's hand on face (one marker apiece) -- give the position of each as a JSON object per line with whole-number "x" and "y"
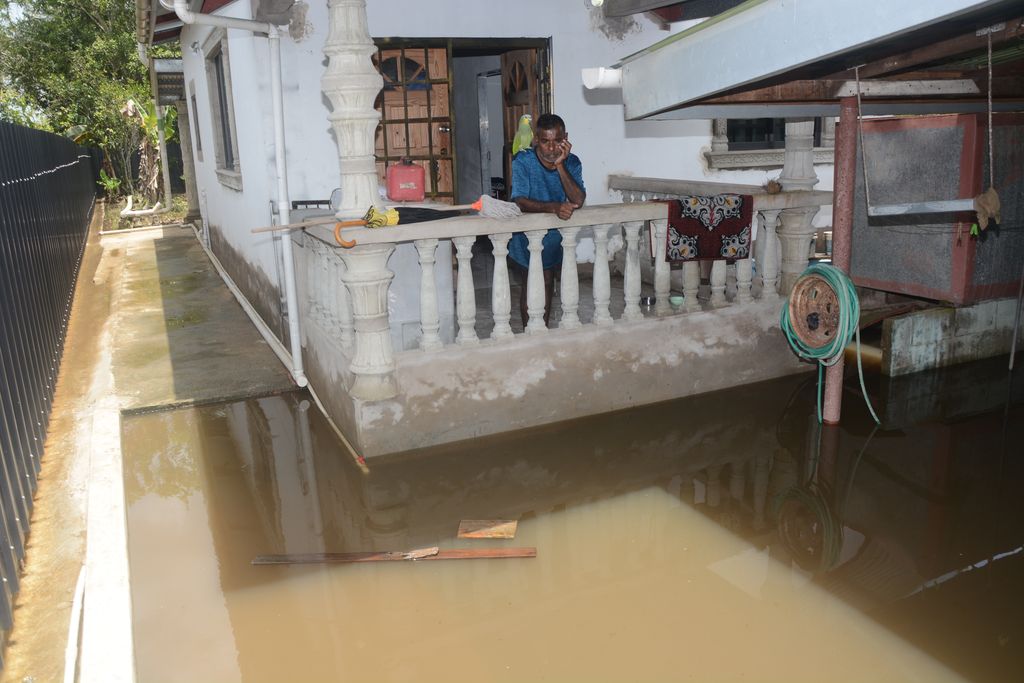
{"x": 564, "y": 148}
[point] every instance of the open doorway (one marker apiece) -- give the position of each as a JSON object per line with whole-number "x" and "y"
{"x": 452, "y": 107}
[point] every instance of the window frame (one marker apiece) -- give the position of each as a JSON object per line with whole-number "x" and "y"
{"x": 216, "y": 58}
{"x": 732, "y": 155}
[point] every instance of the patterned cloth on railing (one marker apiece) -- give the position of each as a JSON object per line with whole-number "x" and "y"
{"x": 709, "y": 228}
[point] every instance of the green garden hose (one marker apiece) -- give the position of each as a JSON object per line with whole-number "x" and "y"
{"x": 831, "y": 351}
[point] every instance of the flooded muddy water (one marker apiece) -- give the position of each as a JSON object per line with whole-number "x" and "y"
{"x": 720, "y": 537}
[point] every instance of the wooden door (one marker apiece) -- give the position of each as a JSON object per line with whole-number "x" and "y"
{"x": 416, "y": 121}
{"x": 525, "y": 90}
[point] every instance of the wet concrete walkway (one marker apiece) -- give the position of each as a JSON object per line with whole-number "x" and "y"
{"x": 152, "y": 326}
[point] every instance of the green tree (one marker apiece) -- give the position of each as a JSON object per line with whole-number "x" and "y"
{"x": 70, "y": 66}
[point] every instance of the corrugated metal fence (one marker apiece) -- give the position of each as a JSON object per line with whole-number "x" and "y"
{"x": 47, "y": 190}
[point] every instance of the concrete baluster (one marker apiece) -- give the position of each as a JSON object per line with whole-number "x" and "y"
{"x": 691, "y": 285}
{"x": 718, "y": 284}
{"x": 631, "y": 285}
{"x": 501, "y": 296}
{"x": 743, "y": 278}
{"x": 430, "y": 321}
{"x": 796, "y": 225}
{"x": 346, "y": 324}
{"x": 535, "y": 284}
{"x": 368, "y": 279}
{"x": 602, "y": 276}
{"x": 312, "y": 255}
{"x": 570, "y": 286}
{"x": 465, "y": 295}
{"x": 662, "y": 269}
{"x": 768, "y": 245}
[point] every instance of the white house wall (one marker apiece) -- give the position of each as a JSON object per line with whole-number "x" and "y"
{"x": 580, "y": 37}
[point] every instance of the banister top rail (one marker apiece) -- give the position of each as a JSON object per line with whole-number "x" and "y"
{"x": 763, "y": 201}
{"x": 462, "y": 226}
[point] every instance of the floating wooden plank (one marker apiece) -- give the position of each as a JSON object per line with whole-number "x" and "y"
{"x": 344, "y": 558}
{"x": 487, "y": 528}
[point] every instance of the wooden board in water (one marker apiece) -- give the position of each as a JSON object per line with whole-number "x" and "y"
{"x": 487, "y": 528}
{"x": 339, "y": 558}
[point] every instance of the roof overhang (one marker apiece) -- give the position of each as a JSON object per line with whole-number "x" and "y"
{"x": 798, "y": 55}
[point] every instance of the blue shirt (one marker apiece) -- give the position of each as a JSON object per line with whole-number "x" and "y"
{"x": 531, "y": 180}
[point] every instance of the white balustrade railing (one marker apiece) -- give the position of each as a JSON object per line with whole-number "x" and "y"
{"x": 768, "y": 208}
{"x": 348, "y": 289}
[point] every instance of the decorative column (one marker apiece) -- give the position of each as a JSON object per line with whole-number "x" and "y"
{"x": 367, "y": 279}
{"x": 720, "y": 135}
{"x": 795, "y": 229}
{"x": 346, "y": 324}
{"x": 718, "y": 284}
{"x": 570, "y": 292}
{"x": 535, "y": 284}
{"x": 465, "y": 294}
{"x": 691, "y": 285}
{"x": 187, "y": 162}
{"x": 351, "y": 84}
{"x": 768, "y": 265}
{"x": 743, "y": 278}
{"x": 430, "y": 322}
{"x": 602, "y": 277}
{"x": 631, "y": 285}
{"x": 662, "y": 271}
{"x": 501, "y": 297}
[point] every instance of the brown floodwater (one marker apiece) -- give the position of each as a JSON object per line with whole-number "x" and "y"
{"x": 716, "y": 538}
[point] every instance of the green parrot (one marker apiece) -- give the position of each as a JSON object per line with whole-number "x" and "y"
{"x": 524, "y": 135}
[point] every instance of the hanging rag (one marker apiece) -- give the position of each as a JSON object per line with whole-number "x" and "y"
{"x": 709, "y": 228}
{"x": 987, "y": 207}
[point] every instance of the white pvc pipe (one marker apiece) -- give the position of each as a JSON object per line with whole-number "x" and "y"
{"x": 283, "y": 199}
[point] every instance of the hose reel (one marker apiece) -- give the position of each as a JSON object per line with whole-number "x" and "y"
{"x": 814, "y": 311}
{"x": 821, "y": 317}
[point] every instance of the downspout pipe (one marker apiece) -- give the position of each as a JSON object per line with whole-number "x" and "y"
{"x": 273, "y": 34}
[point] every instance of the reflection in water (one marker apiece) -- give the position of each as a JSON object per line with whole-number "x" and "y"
{"x": 691, "y": 539}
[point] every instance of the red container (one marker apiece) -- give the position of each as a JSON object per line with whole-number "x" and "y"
{"x": 405, "y": 182}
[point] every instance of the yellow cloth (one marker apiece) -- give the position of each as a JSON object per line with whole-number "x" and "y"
{"x": 378, "y": 219}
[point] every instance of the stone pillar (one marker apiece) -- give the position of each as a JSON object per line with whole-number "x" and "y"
{"x": 346, "y": 323}
{"x": 570, "y": 293}
{"x": 795, "y": 229}
{"x": 501, "y": 297}
{"x": 351, "y": 84}
{"x": 743, "y": 277}
{"x": 429, "y": 321}
{"x": 535, "y": 294}
{"x": 602, "y": 277}
{"x": 662, "y": 270}
{"x": 631, "y": 284}
{"x": 187, "y": 162}
{"x": 720, "y": 135}
{"x": 718, "y": 284}
{"x": 465, "y": 294}
{"x": 768, "y": 264}
{"x": 368, "y": 279}
{"x": 691, "y": 285}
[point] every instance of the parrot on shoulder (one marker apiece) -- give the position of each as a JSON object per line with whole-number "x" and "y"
{"x": 524, "y": 135}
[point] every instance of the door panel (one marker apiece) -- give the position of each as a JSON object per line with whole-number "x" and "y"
{"x": 416, "y": 121}
{"x": 524, "y": 88}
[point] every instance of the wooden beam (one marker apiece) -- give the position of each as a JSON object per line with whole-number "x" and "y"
{"x": 347, "y": 558}
{"x": 922, "y": 88}
{"x": 942, "y": 50}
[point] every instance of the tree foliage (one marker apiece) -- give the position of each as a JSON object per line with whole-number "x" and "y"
{"x": 70, "y": 66}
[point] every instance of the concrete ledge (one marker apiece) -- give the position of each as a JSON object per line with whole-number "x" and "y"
{"x": 939, "y": 337}
{"x": 461, "y": 393}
